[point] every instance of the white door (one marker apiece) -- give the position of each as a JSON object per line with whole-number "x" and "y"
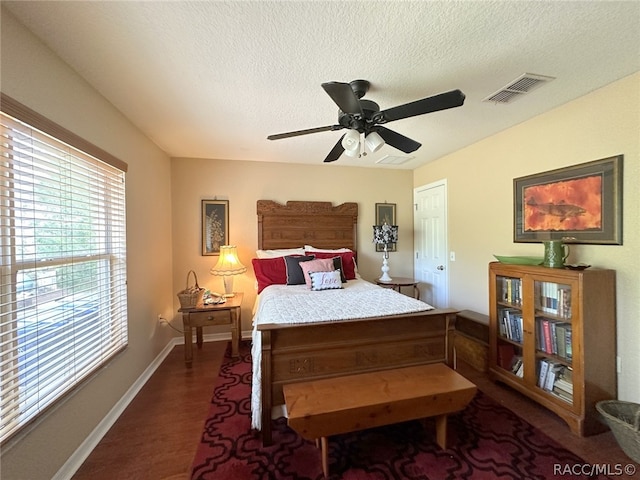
{"x": 430, "y": 240}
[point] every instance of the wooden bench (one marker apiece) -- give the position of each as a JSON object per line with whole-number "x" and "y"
{"x": 320, "y": 408}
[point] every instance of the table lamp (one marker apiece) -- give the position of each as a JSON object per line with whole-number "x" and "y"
{"x": 228, "y": 265}
{"x": 384, "y": 235}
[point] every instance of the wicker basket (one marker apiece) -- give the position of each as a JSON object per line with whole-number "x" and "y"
{"x": 191, "y": 297}
{"x": 624, "y": 420}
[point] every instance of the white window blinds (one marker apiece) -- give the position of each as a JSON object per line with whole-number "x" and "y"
{"x": 63, "y": 300}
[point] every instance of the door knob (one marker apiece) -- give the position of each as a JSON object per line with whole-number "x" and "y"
{"x": 440, "y": 267}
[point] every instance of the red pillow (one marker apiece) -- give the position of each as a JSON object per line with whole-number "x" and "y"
{"x": 269, "y": 271}
{"x": 348, "y": 263}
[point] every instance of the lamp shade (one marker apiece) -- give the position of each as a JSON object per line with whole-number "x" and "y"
{"x": 228, "y": 262}
{"x": 374, "y": 142}
{"x": 385, "y": 234}
{"x": 351, "y": 143}
{"x": 228, "y": 265}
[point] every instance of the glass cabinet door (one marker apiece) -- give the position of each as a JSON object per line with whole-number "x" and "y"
{"x": 510, "y": 325}
{"x": 553, "y": 334}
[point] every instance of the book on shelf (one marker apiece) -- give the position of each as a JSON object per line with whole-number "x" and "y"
{"x": 555, "y": 378}
{"x": 563, "y": 386}
{"x": 546, "y": 328}
{"x": 566, "y": 396}
{"x": 543, "y": 367}
{"x": 511, "y": 289}
{"x": 561, "y": 339}
{"x": 511, "y": 324}
{"x": 553, "y": 299}
{"x": 517, "y": 367}
{"x": 564, "y": 302}
{"x": 553, "y": 337}
{"x": 506, "y": 354}
{"x": 548, "y": 372}
{"x": 552, "y": 374}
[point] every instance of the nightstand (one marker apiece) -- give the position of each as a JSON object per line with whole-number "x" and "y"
{"x": 227, "y": 313}
{"x": 398, "y": 282}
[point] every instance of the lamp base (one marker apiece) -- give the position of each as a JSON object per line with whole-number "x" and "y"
{"x": 385, "y": 268}
{"x": 228, "y": 286}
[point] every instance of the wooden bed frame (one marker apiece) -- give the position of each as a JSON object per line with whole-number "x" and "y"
{"x": 292, "y": 353}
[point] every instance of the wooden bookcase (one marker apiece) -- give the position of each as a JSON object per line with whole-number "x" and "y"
{"x": 560, "y": 321}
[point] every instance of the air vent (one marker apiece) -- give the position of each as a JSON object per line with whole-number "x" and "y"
{"x": 393, "y": 160}
{"x": 525, "y": 83}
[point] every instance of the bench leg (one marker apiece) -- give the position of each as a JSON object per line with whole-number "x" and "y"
{"x": 441, "y": 431}
{"x": 325, "y": 456}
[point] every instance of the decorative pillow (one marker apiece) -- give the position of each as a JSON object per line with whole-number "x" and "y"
{"x": 309, "y": 248}
{"x": 348, "y": 262}
{"x": 269, "y": 271}
{"x": 294, "y": 272}
{"x": 325, "y": 280}
{"x": 319, "y": 265}
{"x": 337, "y": 265}
{"x": 281, "y": 252}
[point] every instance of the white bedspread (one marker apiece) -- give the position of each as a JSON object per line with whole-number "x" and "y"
{"x": 297, "y": 304}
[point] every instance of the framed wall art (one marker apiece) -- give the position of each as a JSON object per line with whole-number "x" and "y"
{"x": 577, "y": 204}
{"x": 215, "y": 226}
{"x": 386, "y": 213}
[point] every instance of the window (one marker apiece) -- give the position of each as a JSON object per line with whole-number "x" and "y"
{"x": 63, "y": 302}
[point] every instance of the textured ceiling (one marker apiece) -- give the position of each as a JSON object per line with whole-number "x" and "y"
{"x": 212, "y": 79}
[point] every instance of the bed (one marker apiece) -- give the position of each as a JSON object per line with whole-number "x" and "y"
{"x": 291, "y": 352}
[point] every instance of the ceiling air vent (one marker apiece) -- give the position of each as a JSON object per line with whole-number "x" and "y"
{"x": 525, "y": 83}
{"x": 393, "y": 160}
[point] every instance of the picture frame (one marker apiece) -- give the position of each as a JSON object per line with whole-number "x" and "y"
{"x": 215, "y": 226}
{"x": 386, "y": 212}
{"x": 577, "y": 204}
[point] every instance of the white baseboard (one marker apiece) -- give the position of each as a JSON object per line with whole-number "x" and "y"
{"x": 75, "y": 461}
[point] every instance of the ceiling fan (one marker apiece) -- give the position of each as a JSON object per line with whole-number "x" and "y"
{"x": 362, "y": 116}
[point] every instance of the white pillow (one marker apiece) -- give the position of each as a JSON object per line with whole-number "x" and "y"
{"x": 282, "y": 252}
{"x": 309, "y": 248}
{"x": 326, "y": 280}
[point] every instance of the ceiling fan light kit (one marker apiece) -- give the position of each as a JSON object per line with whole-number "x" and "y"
{"x": 351, "y": 143}
{"x": 374, "y": 142}
{"x": 365, "y": 117}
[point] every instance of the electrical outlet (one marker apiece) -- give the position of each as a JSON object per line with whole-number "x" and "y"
{"x": 619, "y": 364}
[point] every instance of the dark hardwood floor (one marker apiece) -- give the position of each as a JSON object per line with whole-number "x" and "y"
{"x": 156, "y": 436}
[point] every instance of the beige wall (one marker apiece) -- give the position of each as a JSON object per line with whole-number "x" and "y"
{"x": 480, "y": 178}
{"x": 35, "y": 77}
{"x": 243, "y": 183}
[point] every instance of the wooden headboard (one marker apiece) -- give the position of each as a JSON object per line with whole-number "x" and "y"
{"x": 296, "y": 224}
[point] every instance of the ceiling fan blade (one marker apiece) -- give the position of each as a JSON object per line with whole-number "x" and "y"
{"x": 344, "y": 96}
{"x": 396, "y": 140}
{"x": 442, "y": 101}
{"x": 335, "y": 152}
{"x": 328, "y": 128}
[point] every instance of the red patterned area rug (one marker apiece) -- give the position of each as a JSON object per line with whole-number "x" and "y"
{"x": 486, "y": 441}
